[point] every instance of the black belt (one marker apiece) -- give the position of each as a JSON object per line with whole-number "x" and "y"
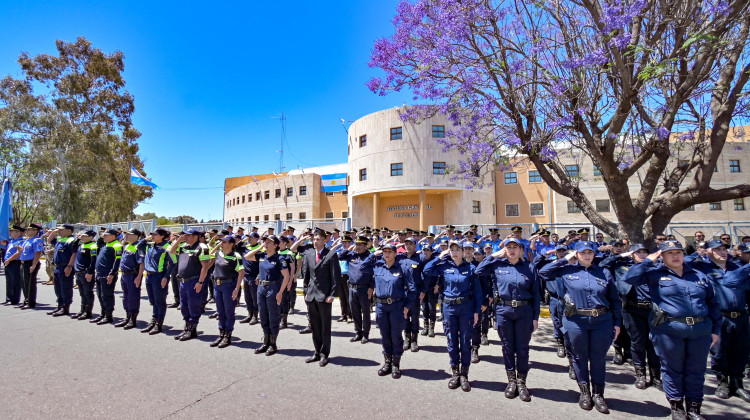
{"x": 218, "y": 282}
{"x": 151, "y": 273}
{"x": 358, "y": 286}
{"x": 187, "y": 279}
{"x": 641, "y": 304}
{"x": 733, "y": 314}
{"x": 129, "y": 272}
{"x": 458, "y": 300}
{"x": 592, "y": 312}
{"x": 690, "y": 320}
{"x": 268, "y": 283}
{"x": 387, "y": 301}
{"x": 514, "y": 303}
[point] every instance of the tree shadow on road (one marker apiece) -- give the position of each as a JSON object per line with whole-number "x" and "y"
{"x": 352, "y": 361}
{"x": 549, "y": 367}
{"x": 296, "y": 352}
{"x": 489, "y": 385}
{"x": 425, "y": 374}
{"x": 638, "y": 408}
{"x": 558, "y": 395}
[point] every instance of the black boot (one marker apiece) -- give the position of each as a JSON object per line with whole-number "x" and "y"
{"x": 248, "y": 318}
{"x": 571, "y": 370}
{"x": 598, "y": 397}
{"x": 191, "y": 333}
{"x": 640, "y": 377}
{"x": 357, "y": 337}
{"x": 98, "y": 318}
{"x": 414, "y": 345}
{"x": 455, "y": 380}
{"x": 213, "y": 315}
{"x": 174, "y": 305}
{"x": 283, "y": 322}
{"x": 431, "y": 331}
{"x": 561, "y": 347}
{"x": 255, "y": 318}
{"x": 474, "y": 354}
{"x": 407, "y": 341}
{"x": 619, "y": 359}
{"x": 107, "y": 319}
{"x": 584, "y": 401}
{"x": 157, "y": 328}
{"x": 184, "y": 331}
{"x": 485, "y": 341}
{"x": 64, "y": 311}
{"x": 465, "y": 384}
{"x": 678, "y": 410}
{"x": 693, "y": 409}
{"x": 387, "y": 367}
{"x": 227, "y": 340}
{"x": 511, "y": 391}
{"x": 426, "y": 328}
{"x": 264, "y": 346}
{"x": 150, "y": 326}
{"x": 133, "y": 321}
{"x": 81, "y": 312}
{"x": 54, "y": 311}
{"x": 124, "y": 321}
{"x": 271, "y": 346}
{"x": 396, "y": 367}
{"x": 656, "y": 381}
{"x": 722, "y": 390}
{"x": 87, "y": 313}
{"x": 523, "y": 392}
{"x": 739, "y": 389}
{"x": 216, "y": 342}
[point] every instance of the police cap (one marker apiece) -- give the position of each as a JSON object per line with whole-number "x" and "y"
{"x": 192, "y": 231}
{"x": 273, "y": 238}
{"x": 670, "y": 245}
{"x": 361, "y": 240}
{"x": 18, "y": 228}
{"x": 581, "y": 246}
{"x": 515, "y": 241}
{"x": 392, "y": 247}
{"x": 135, "y": 232}
{"x": 163, "y": 232}
{"x": 713, "y": 244}
{"x": 36, "y": 226}
{"x": 113, "y": 232}
{"x": 637, "y": 247}
{"x": 583, "y": 231}
{"x": 89, "y": 233}
{"x": 516, "y": 229}
{"x": 228, "y": 238}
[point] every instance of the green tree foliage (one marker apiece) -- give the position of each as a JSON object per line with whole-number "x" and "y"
{"x": 68, "y": 149}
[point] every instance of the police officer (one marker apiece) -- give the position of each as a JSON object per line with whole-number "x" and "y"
{"x": 250, "y": 243}
{"x": 273, "y": 278}
{"x": 173, "y": 279}
{"x": 481, "y": 328}
{"x": 429, "y": 303}
{"x": 85, "y": 267}
{"x": 517, "y": 233}
{"x": 289, "y": 290}
{"x": 31, "y": 252}
{"x": 12, "y": 264}
{"x": 65, "y": 247}
{"x": 636, "y": 308}
{"x": 131, "y": 271}
{"x": 228, "y": 275}
{"x": 107, "y": 266}
{"x": 463, "y": 302}
{"x": 591, "y": 318}
{"x": 686, "y": 321}
{"x": 157, "y": 266}
{"x": 411, "y": 329}
{"x": 361, "y": 286}
{"x": 517, "y": 301}
{"x": 193, "y": 260}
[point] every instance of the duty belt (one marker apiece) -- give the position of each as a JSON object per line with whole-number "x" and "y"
{"x": 151, "y": 273}
{"x": 187, "y": 279}
{"x": 690, "y": 320}
{"x": 641, "y": 304}
{"x": 592, "y": 312}
{"x": 357, "y": 286}
{"x": 514, "y": 303}
{"x": 387, "y": 301}
{"x": 267, "y": 283}
{"x": 458, "y": 300}
{"x": 129, "y": 272}
{"x": 733, "y": 314}
{"x": 219, "y": 282}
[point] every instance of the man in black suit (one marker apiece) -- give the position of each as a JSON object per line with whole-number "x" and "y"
{"x": 320, "y": 273}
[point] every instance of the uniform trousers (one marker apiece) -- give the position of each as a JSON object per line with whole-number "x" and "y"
{"x": 458, "y": 320}
{"x": 683, "y": 350}
{"x": 390, "y": 320}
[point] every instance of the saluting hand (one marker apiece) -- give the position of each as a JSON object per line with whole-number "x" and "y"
{"x": 653, "y": 257}
{"x": 571, "y": 255}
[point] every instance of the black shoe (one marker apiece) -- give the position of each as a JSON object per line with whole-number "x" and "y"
{"x": 341, "y": 319}
{"x": 365, "y": 340}
{"x": 678, "y": 410}
{"x": 640, "y": 377}
{"x": 54, "y": 311}
{"x": 81, "y": 312}
{"x": 227, "y": 341}
{"x": 255, "y": 318}
{"x": 323, "y": 361}
{"x": 485, "y": 340}
{"x": 216, "y": 342}
{"x": 283, "y": 324}
{"x": 191, "y": 333}
{"x": 455, "y": 379}
{"x": 106, "y": 319}
{"x": 357, "y": 337}
{"x": 722, "y": 390}
{"x": 157, "y": 329}
{"x": 598, "y": 398}
{"x": 64, "y": 311}
{"x": 423, "y": 333}
{"x": 414, "y": 346}
{"x": 656, "y": 381}
{"x": 314, "y": 358}
{"x": 474, "y": 354}
{"x": 133, "y": 321}
{"x": 174, "y": 305}
{"x": 619, "y": 359}
{"x": 465, "y": 384}
{"x": 407, "y": 341}
{"x": 523, "y": 392}
{"x": 124, "y": 321}
{"x": 264, "y": 346}
{"x": 396, "y": 373}
{"x": 247, "y": 319}
{"x": 271, "y": 347}
{"x": 561, "y": 353}
{"x": 693, "y": 409}
{"x": 87, "y": 314}
{"x": 511, "y": 391}
{"x": 150, "y": 326}
{"x": 584, "y": 401}
{"x": 431, "y": 331}
{"x": 387, "y": 367}
{"x": 571, "y": 370}
{"x": 739, "y": 389}
{"x": 306, "y": 330}
{"x": 184, "y": 331}
{"x": 213, "y": 315}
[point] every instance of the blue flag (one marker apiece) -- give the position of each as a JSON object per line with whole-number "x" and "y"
{"x": 137, "y": 178}
{"x": 333, "y": 182}
{"x": 6, "y": 212}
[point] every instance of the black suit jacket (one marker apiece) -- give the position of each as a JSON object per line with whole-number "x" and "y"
{"x": 320, "y": 279}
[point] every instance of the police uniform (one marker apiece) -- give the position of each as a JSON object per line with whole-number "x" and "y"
{"x": 686, "y": 313}
{"x": 481, "y": 329}
{"x": 85, "y": 265}
{"x": 13, "y": 276}
{"x": 462, "y": 301}
{"x": 228, "y": 269}
{"x": 130, "y": 269}
{"x": 592, "y": 309}
{"x": 174, "y": 280}
{"x": 411, "y": 328}
{"x": 360, "y": 281}
{"x": 189, "y": 261}
{"x": 65, "y": 250}
{"x": 270, "y": 281}
{"x": 517, "y": 302}
{"x": 288, "y": 291}
{"x": 429, "y": 304}
{"x": 251, "y": 288}
{"x": 157, "y": 266}
{"x": 31, "y": 251}
{"x": 107, "y": 264}
{"x": 394, "y": 291}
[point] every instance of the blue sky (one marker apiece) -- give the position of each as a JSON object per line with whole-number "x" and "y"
{"x": 208, "y": 80}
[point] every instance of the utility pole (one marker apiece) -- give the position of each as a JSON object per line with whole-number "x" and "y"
{"x": 282, "y": 140}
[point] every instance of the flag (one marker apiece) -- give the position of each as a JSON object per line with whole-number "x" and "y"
{"x": 6, "y": 212}
{"x": 137, "y": 178}
{"x": 333, "y": 182}
{"x": 254, "y": 179}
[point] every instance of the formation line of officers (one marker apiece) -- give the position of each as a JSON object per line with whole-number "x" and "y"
{"x": 663, "y": 310}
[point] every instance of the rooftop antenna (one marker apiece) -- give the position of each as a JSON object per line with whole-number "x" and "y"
{"x": 282, "y": 118}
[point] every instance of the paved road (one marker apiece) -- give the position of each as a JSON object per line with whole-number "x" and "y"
{"x": 59, "y": 368}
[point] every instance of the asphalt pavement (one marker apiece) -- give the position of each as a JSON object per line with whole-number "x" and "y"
{"x": 62, "y": 368}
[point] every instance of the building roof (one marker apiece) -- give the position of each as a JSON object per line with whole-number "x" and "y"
{"x": 321, "y": 170}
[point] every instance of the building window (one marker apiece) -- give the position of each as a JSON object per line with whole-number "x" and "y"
{"x": 396, "y": 133}
{"x": 476, "y": 206}
{"x": 303, "y": 190}
{"x": 714, "y": 206}
{"x": 289, "y": 216}
{"x": 739, "y": 204}
{"x": 278, "y": 192}
{"x": 289, "y": 191}
{"x": 329, "y": 215}
{"x": 243, "y": 199}
{"x": 344, "y": 214}
{"x": 511, "y": 210}
{"x": 345, "y": 192}
{"x": 249, "y": 198}
{"x": 257, "y": 218}
{"x": 267, "y": 194}
{"x": 597, "y": 172}
{"x": 534, "y": 176}
{"x": 511, "y": 178}
{"x": 397, "y": 169}
{"x": 691, "y": 208}
{"x": 734, "y": 166}
{"x": 302, "y": 215}
{"x": 573, "y": 208}
{"x": 362, "y": 141}
{"x": 363, "y": 174}
{"x": 438, "y": 131}
{"x": 493, "y": 209}
{"x": 602, "y": 206}
{"x": 242, "y": 220}
{"x": 329, "y": 194}
{"x": 536, "y": 209}
{"x": 277, "y": 216}
{"x": 475, "y": 170}
{"x": 571, "y": 171}
{"x": 257, "y": 196}
{"x": 265, "y": 218}
{"x": 438, "y": 168}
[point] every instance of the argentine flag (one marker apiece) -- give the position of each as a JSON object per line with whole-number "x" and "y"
{"x": 137, "y": 178}
{"x": 333, "y": 182}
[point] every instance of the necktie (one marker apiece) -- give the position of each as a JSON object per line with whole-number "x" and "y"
{"x": 317, "y": 257}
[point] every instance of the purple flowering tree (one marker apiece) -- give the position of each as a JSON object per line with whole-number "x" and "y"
{"x": 648, "y": 90}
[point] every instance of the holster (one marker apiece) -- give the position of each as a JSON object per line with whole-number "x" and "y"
{"x": 659, "y": 317}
